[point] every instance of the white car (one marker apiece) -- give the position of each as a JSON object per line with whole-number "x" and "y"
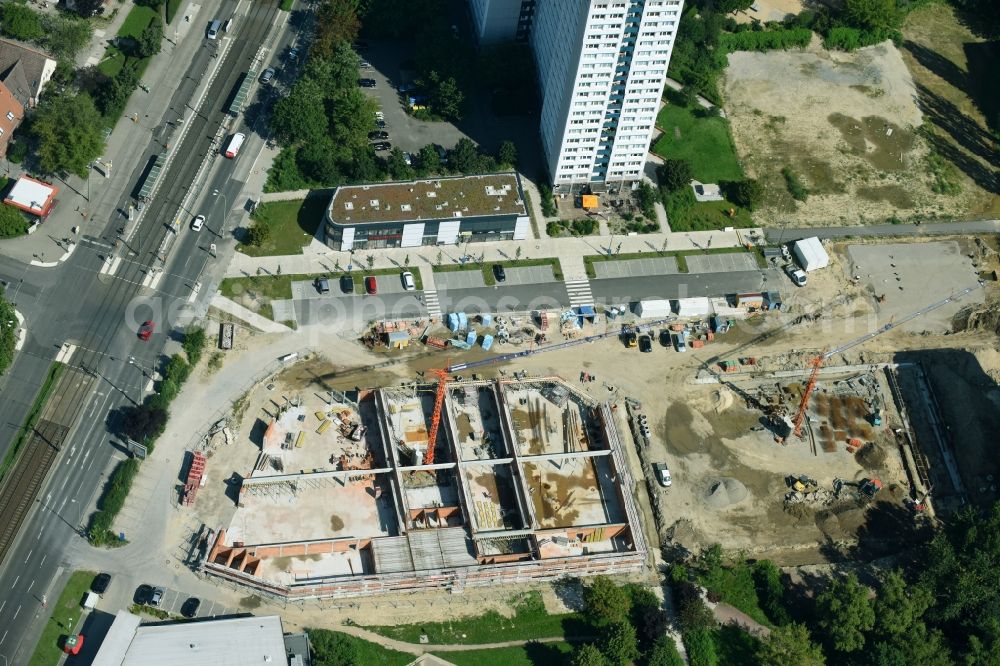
{"x": 198, "y": 223}
{"x": 408, "y": 282}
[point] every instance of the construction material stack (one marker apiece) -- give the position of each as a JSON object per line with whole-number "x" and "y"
{"x": 195, "y": 473}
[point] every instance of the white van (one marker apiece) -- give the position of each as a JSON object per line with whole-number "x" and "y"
{"x": 213, "y": 28}
{"x": 233, "y": 149}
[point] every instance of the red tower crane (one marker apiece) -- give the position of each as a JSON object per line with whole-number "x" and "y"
{"x": 817, "y": 363}
{"x": 442, "y": 386}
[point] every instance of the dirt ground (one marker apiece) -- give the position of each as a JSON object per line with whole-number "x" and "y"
{"x": 770, "y": 10}
{"x": 845, "y": 123}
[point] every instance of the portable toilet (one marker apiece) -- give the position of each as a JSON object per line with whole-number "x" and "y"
{"x": 463, "y": 321}
{"x": 471, "y": 338}
{"x": 487, "y": 342}
{"x": 452, "y": 322}
{"x": 486, "y": 318}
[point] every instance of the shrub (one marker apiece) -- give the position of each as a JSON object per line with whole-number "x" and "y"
{"x": 553, "y": 228}
{"x": 701, "y": 648}
{"x": 111, "y": 503}
{"x": 584, "y": 227}
{"x": 766, "y": 40}
{"x": 747, "y": 193}
{"x": 258, "y": 234}
{"x": 849, "y": 39}
{"x": 194, "y": 343}
{"x": 795, "y": 187}
{"x": 646, "y": 196}
{"x": 674, "y": 175}
{"x": 771, "y": 591}
{"x": 548, "y": 203}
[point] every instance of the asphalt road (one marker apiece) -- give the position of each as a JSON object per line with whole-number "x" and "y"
{"x": 778, "y": 235}
{"x": 100, "y": 313}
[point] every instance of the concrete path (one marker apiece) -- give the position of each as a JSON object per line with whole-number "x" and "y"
{"x": 726, "y": 614}
{"x": 677, "y": 85}
{"x": 926, "y": 229}
{"x": 317, "y": 258}
{"x": 418, "y": 649}
{"x": 249, "y": 316}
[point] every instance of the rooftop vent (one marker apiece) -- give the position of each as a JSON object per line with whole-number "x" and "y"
{"x": 373, "y": 203}
{"x": 437, "y": 184}
{"x": 348, "y": 205}
{"x": 457, "y": 213}
{"x": 405, "y": 207}
{"x": 432, "y": 194}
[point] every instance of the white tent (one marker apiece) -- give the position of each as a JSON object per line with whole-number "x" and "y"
{"x": 810, "y": 253}
{"x": 653, "y": 308}
{"x": 694, "y": 307}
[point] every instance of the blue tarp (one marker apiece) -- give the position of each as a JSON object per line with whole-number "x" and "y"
{"x": 585, "y": 312}
{"x": 487, "y": 342}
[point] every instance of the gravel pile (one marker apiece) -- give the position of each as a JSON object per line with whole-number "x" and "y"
{"x": 725, "y": 492}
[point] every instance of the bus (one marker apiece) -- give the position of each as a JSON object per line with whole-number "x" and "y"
{"x": 233, "y": 149}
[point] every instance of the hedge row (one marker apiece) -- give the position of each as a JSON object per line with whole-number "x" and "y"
{"x": 99, "y": 531}
{"x": 765, "y": 41}
{"x": 849, "y": 39}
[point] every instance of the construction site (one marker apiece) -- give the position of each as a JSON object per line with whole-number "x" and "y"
{"x": 442, "y": 485}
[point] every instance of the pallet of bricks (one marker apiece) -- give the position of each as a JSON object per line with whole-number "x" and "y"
{"x": 194, "y": 476}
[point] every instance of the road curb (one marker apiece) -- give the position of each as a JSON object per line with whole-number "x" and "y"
{"x": 53, "y": 264}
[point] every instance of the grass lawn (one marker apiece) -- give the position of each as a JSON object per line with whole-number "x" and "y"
{"x": 292, "y": 224}
{"x": 136, "y": 21}
{"x": 29, "y": 422}
{"x": 705, "y": 142}
{"x": 679, "y": 255}
{"x": 530, "y": 621}
{"x": 686, "y": 214}
{"x": 49, "y": 648}
{"x": 286, "y": 5}
{"x": 334, "y": 647}
{"x": 533, "y": 654}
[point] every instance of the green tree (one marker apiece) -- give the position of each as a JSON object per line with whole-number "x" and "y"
{"x": 605, "y": 603}
{"x": 114, "y": 93}
{"x": 12, "y": 222}
{"x": 318, "y": 162}
{"x": 664, "y": 653}
{"x": 790, "y": 644}
{"x": 65, "y": 35}
{"x": 619, "y": 644}
{"x": 729, "y": 6}
{"x": 872, "y": 14}
{"x": 429, "y": 160}
{"x": 588, "y": 655}
{"x": 845, "y": 614}
{"x": 899, "y": 606}
{"x": 337, "y": 24}
{"x": 21, "y": 22}
{"x": 87, "y": 8}
{"x": 918, "y": 646}
{"x": 748, "y": 193}
{"x": 674, "y": 174}
{"x": 464, "y": 157}
{"x": 300, "y": 117}
{"x": 338, "y": 71}
{"x": 507, "y": 154}
{"x": 770, "y": 591}
{"x": 447, "y": 98}
{"x": 331, "y": 648}
{"x": 646, "y": 198}
{"x": 194, "y": 343}
{"x": 258, "y": 234}
{"x": 397, "y": 166}
{"x": 67, "y": 133}
{"x": 150, "y": 39}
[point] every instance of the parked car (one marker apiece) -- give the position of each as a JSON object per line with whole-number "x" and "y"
{"x": 146, "y": 330}
{"x": 382, "y": 146}
{"x": 293, "y": 53}
{"x": 364, "y": 64}
{"x": 679, "y": 343}
{"x": 366, "y": 83}
{"x": 142, "y": 594}
{"x": 499, "y": 273}
{"x": 198, "y": 223}
{"x": 347, "y": 284}
{"x": 662, "y": 473}
{"x": 380, "y": 123}
{"x": 664, "y": 338}
{"x": 408, "y": 158}
{"x": 378, "y": 135}
{"x": 322, "y": 285}
{"x": 409, "y": 284}
{"x": 797, "y": 275}
{"x": 100, "y": 584}
{"x": 371, "y": 285}
{"x": 157, "y": 596}
{"x": 267, "y": 75}
{"x": 190, "y": 607}
{"x": 645, "y": 343}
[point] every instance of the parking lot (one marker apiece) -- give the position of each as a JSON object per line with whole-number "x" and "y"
{"x": 173, "y": 600}
{"x": 469, "y": 279}
{"x": 636, "y": 267}
{"x": 721, "y": 263}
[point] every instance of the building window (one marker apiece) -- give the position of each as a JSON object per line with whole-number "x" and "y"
{"x": 10, "y": 115}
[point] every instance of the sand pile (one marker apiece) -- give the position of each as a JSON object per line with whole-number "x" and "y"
{"x": 725, "y": 492}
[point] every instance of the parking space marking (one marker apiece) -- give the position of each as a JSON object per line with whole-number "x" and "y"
{"x": 529, "y": 275}
{"x": 722, "y": 263}
{"x": 625, "y": 268}
{"x": 459, "y": 280}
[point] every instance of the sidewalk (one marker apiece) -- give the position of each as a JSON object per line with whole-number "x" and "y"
{"x": 125, "y": 150}
{"x": 318, "y": 258}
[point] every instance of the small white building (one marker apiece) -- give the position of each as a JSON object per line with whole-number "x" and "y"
{"x": 693, "y": 307}
{"x": 652, "y": 308}
{"x": 810, "y": 254}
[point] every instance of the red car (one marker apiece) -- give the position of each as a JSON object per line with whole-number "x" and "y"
{"x": 146, "y": 329}
{"x": 370, "y": 285}
{"x": 73, "y": 644}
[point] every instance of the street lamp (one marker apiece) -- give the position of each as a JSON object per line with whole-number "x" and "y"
{"x": 132, "y": 361}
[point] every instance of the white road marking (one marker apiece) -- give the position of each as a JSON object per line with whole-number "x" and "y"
{"x": 16, "y": 612}
{"x": 29, "y": 556}
{"x": 43, "y": 561}
{"x": 4, "y": 638}
{"x": 15, "y": 581}
{"x": 1, "y": 608}
{"x": 30, "y": 586}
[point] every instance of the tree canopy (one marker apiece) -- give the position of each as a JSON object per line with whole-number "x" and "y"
{"x": 605, "y": 603}
{"x": 67, "y": 132}
{"x": 845, "y": 613}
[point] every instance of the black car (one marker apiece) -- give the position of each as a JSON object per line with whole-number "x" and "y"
{"x": 645, "y": 343}
{"x": 379, "y": 123}
{"x": 382, "y": 146}
{"x": 378, "y": 135}
{"x": 499, "y": 273}
{"x": 322, "y": 285}
{"x": 366, "y": 83}
{"x": 100, "y": 584}
{"x": 347, "y": 284}
{"x": 190, "y": 607}
{"x": 142, "y": 594}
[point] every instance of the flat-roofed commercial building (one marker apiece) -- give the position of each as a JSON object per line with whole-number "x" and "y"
{"x": 435, "y": 211}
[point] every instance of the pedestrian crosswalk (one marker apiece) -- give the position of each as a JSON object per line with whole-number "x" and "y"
{"x": 579, "y": 293}
{"x": 431, "y": 301}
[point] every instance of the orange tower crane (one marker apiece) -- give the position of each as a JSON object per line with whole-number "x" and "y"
{"x": 442, "y": 386}
{"x": 817, "y": 363}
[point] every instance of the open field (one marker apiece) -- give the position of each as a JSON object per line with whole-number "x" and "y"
{"x": 955, "y": 75}
{"x": 704, "y": 141}
{"x": 847, "y": 124}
